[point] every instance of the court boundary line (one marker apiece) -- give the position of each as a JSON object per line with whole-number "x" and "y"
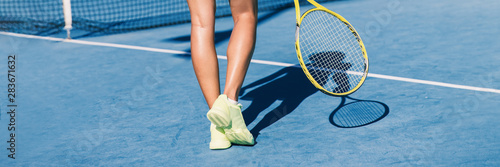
{"x": 380, "y": 76}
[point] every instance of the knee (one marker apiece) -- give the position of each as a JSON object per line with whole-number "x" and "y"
{"x": 249, "y": 17}
{"x": 202, "y": 25}
{"x": 201, "y": 22}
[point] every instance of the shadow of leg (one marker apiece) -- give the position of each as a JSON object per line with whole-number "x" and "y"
{"x": 256, "y": 107}
{"x": 285, "y": 108}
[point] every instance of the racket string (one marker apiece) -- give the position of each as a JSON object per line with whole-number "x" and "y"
{"x": 327, "y": 43}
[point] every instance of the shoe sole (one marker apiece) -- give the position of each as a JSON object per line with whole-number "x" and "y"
{"x": 242, "y": 137}
{"x": 218, "y": 118}
{"x": 220, "y": 145}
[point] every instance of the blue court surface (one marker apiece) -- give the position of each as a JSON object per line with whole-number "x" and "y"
{"x": 131, "y": 99}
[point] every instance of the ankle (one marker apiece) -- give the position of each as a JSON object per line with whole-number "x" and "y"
{"x": 234, "y": 102}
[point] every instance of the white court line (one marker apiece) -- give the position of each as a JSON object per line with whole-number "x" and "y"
{"x": 442, "y": 84}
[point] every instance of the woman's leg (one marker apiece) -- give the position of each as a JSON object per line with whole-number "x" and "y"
{"x": 241, "y": 44}
{"x": 239, "y": 53}
{"x": 203, "y": 52}
{"x": 205, "y": 62}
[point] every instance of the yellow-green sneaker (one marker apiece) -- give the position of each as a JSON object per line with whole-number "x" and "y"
{"x": 218, "y": 138}
{"x": 237, "y": 132}
{"x": 219, "y": 113}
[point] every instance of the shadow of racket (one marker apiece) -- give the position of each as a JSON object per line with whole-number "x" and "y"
{"x": 358, "y": 113}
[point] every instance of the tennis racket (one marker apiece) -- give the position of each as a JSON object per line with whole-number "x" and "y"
{"x": 330, "y": 51}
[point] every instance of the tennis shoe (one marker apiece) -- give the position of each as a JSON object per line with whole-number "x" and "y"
{"x": 237, "y": 132}
{"x": 219, "y": 113}
{"x": 218, "y": 138}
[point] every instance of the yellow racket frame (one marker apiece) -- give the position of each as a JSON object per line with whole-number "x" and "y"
{"x": 299, "y": 55}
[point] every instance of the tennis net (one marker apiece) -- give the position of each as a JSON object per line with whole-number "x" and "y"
{"x": 43, "y": 17}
